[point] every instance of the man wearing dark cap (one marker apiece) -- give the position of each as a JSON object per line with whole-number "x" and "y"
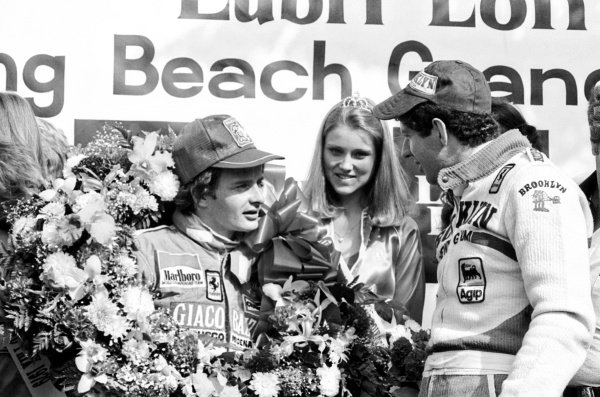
{"x": 190, "y": 263}
{"x": 513, "y": 315}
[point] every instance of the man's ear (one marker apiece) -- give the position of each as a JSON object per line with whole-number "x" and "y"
{"x": 200, "y": 201}
{"x": 439, "y": 128}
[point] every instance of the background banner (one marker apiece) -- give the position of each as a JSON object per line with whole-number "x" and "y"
{"x": 279, "y": 65}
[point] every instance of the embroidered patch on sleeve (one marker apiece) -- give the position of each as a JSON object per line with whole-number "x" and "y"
{"x": 214, "y": 287}
{"x": 500, "y": 178}
{"x": 471, "y": 281}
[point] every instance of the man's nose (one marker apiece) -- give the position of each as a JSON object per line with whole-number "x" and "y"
{"x": 405, "y": 151}
{"x": 256, "y": 195}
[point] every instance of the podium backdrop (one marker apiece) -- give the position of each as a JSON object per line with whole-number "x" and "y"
{"x": 279, "y": 65}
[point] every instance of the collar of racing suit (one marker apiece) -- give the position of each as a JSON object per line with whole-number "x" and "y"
{"x": 485, "y": 161}
{"x": 193, "y": 227}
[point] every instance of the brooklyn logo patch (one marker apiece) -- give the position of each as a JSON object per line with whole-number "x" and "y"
{"x": 541, "y": 198}
{"x": 471, "y": 281}
{"x": 238, "y": 133}
{"x": 214, "y": 288}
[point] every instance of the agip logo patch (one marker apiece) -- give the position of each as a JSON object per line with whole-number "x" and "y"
{"x": 471, "y": 280}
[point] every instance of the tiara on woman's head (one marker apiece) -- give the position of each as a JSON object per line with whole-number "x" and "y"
{"x": 356, "y": 101}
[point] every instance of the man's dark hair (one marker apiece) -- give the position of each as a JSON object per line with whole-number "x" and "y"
{"x": 469, "y": 128}
{"x": 203, "y": 185}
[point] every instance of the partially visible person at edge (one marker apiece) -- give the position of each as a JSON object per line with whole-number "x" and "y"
{"x": 197, "y": 264}
{"x": 586, "y": 381}
{"x": 21, "y": 175}
{"x": 509, "y": 118}
{"x": 355, "y": 182}
{"x": 511, "y": 318}
{"x": 54, "y": 148}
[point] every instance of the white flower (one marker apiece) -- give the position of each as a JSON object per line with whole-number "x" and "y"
{"x": 87, "y": 205}
{"x": 62, "y": 231}
{"x": 411, "y": 324}
{"x": 90, "y": 354}
{"x": 206, "y": 353}
{"x": 52, "y": 210}
{"x": 230, "y": 391}
{"x": 329, "y": 380}
{"x": 144, "y": 200}
{"x": 199, "y": 383}
{"x": 137, "y": 303}
{"x": 24, "y": 227}
{"x": 265, "y": 384}
{"x": 62, "y": 271}
{"x": 136, "y": 351}
{"x": 70, "y": 163}
{"x": 104, "y": 314}
{"x": 165, "y": 185}
{"x": 128, "y": 265}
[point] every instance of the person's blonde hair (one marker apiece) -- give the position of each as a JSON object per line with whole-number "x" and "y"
{"x": 54, "y": 148}
{"x": 388, "y": 194}
{"x": 22, "y": 170}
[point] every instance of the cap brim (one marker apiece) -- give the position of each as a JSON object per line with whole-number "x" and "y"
{"x": 397, "y": 105}
{"x": 247, "y": 159}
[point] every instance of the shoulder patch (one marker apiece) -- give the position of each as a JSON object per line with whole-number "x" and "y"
{"x": 535, "y": 155}
{"x": 500, "y": 178}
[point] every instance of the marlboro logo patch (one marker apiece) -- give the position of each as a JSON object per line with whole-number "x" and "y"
{"x": 424, "y": 83}
{"x": 179, "y": 270}
{"x": 238, "y": 133}
{"x": 214, "y": 288}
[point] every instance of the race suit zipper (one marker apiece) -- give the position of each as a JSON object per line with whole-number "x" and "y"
{"x": 226, "y": 302}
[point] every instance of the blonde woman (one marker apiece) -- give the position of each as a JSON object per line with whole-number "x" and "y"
{"x": 355, "y": 182}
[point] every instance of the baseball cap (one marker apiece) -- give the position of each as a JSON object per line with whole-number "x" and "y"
{"x": 454, "y": 84}
{"x": 217, "y": 141}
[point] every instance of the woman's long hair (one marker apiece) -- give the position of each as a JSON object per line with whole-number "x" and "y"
{"x": 22, "y": 168}
{"x": 387, "y": 193}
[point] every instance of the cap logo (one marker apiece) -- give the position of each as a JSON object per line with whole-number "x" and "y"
{"x": 424, "y": 83}
{"x": 237, "y": 132}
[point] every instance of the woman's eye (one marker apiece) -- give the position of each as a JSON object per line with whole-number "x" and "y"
{"x": 361, "y": 155}
{"x": 335, "y": 151}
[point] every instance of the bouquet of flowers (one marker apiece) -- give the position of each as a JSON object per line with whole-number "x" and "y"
{"x": 70, "y": 278}
{"x": 323, "y": 344}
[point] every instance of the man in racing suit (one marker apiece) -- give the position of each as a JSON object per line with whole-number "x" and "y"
{"x": 513, "y": 315}
{"x": 197, "y": 265}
